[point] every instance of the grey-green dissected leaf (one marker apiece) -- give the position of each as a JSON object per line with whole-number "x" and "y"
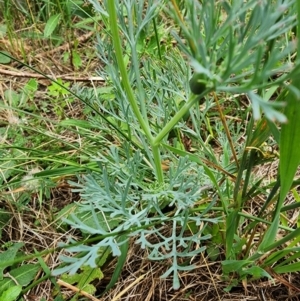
{"x": 51, "y": 25}
{"x": 259, "y": 104}
{"x": 8, "y": 255}
{"x": 25, "y": 273}
{"x": 11, "y": 294}
{"x": 3, "y": 58}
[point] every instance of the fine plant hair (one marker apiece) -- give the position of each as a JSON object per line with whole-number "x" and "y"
{"x": 241, "y": 48}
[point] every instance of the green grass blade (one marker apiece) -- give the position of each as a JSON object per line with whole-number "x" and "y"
{"x": 289, "y": 161}
{"x": 120, "y": 264}
{"x": 289, "y": 268}
{"x": 231, "y": 227}
{"x": 289, "y": 145}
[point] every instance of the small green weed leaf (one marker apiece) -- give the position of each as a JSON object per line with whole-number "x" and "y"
{"x": 5, "y": 284}
{"x": 3, "y": 30}
{"x": 217, "y": 233}
{"x": 120, "y": 263}
{"x": 213, "y": 252}
{"x": 12, "y": 97}
{"x": 11, "y": 294}
{"x": 57, "y": 88}
{"x": 65, "y": 212}
{"x": 25, "y": 273}
{"x": 256, "y": 272}
{"x": 76, "y": 60}
{"x": 233, "y": 283}
{"x": 239, "y": 245}
{"x": 66, "y": 56}
{"x": 289, "y": 145}
{"x": 78, "y": 123}
{"x": 103, "y": 257}
{"x": 51, "y": 25}
{"x": 9, "y": 255}
{"x": 106, "y": 93}
{"x": 30, "y": 88}
{"x": 84, "y": 278}
{"x": 230, "y": 266}
{"x": 3, "y": 58}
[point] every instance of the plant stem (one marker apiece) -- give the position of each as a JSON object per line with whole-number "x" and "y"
{"x": 124, "y": 76}
{"x": 226, "y": 130}
{"x": 157, "y": 162}
{"x": 131, "y": 98}
{"x": 170, "y": 125}
{"x": 136, "y": 64}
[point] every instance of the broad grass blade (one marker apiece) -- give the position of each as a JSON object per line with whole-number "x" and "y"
{"x": 293, "y": 267}
{"x": 289, "y": 146}
{"x": 289, "y": 161}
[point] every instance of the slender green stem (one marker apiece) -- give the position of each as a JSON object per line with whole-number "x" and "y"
{"x": 125, "y": 80}
{"x": 170, "y": 125}
{"x": 158, "y": 165}
{"x": 157, "y": 40}
{"x": 136, "y": 64}
{"x": 142, "y": 119}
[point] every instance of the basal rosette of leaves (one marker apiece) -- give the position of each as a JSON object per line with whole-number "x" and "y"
{"x": 241, "y": 48}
